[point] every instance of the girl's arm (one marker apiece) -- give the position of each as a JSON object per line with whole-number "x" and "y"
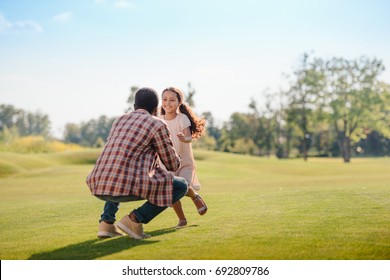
{"x": 185, "y": 136}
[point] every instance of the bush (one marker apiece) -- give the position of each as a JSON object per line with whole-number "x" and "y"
{"x": 37, "y": 144}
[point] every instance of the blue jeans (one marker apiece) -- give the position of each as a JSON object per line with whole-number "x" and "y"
{"x": 147, "y": 211}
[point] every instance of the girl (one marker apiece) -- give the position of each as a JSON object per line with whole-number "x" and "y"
{"x": 184, "y": 126}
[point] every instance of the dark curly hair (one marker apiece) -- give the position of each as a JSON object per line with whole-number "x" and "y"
{"x": 146, "y": 98}
{"x": 197, "y": 124}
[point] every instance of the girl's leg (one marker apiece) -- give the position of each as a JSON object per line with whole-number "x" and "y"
{"x": 148, "y": 211}
{"x": 191, "y": 193}
{"x": 180, "y": 214}
{"x": 198, "y": 201}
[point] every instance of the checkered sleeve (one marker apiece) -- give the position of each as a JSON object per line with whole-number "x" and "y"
{"x": 165, "y": 150}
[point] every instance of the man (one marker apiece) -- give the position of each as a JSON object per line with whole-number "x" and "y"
{"x": 128, "y": 169}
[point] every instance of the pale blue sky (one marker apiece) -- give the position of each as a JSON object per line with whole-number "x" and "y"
{"x": 76, "y": 59}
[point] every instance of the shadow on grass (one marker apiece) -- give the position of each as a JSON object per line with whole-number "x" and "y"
{"x": 97, "y": 248}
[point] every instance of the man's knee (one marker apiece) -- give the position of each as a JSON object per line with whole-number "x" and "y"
{"x": 180, "y": 185}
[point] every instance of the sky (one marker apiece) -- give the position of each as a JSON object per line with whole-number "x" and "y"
{"x": 76, "y": 60}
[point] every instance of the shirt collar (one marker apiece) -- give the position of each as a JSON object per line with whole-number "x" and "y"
{"x": 142, "y": 111}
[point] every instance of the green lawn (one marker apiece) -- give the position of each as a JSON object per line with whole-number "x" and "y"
{"x": 258, "y": 209}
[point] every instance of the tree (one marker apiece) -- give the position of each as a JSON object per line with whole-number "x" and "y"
{"x": 72, "y": 133}
{"x": 8, "y": 116}
{"x": 357, "y": 101}
{"x": 261, "y": 125}
{"x": 38, "y": 124}
{"x": 190, "y": 95}
{"x": 212, "y": 130}
{"x": 303, "y": 96}
{"x": 131, "y": 98}
{"x": 26, "y": 123}
{"x": 88, "y": 133}
{"x": 95, "y": 131}
{"x": 238, "y": 132}
{"x": 374, "y": 145}
{"x": 8, "y": 135}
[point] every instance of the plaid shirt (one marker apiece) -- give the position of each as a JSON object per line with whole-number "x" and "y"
{"x": 128, "y": 164}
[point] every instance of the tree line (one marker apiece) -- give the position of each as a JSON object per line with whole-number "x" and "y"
{"x": 16, "y": 123}
{"x": 331, "y": 108}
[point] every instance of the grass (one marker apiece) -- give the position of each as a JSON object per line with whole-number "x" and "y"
{"x": 258, "y": 209}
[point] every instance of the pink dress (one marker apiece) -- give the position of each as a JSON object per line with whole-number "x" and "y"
{"x": 187, "y": 168}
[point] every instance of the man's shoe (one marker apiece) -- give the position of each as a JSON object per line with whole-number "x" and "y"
{"x": 133, "y": 229}
{"x": 107, "y": 230}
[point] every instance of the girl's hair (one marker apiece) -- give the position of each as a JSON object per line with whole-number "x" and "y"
{"x": 197, "y": 124}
